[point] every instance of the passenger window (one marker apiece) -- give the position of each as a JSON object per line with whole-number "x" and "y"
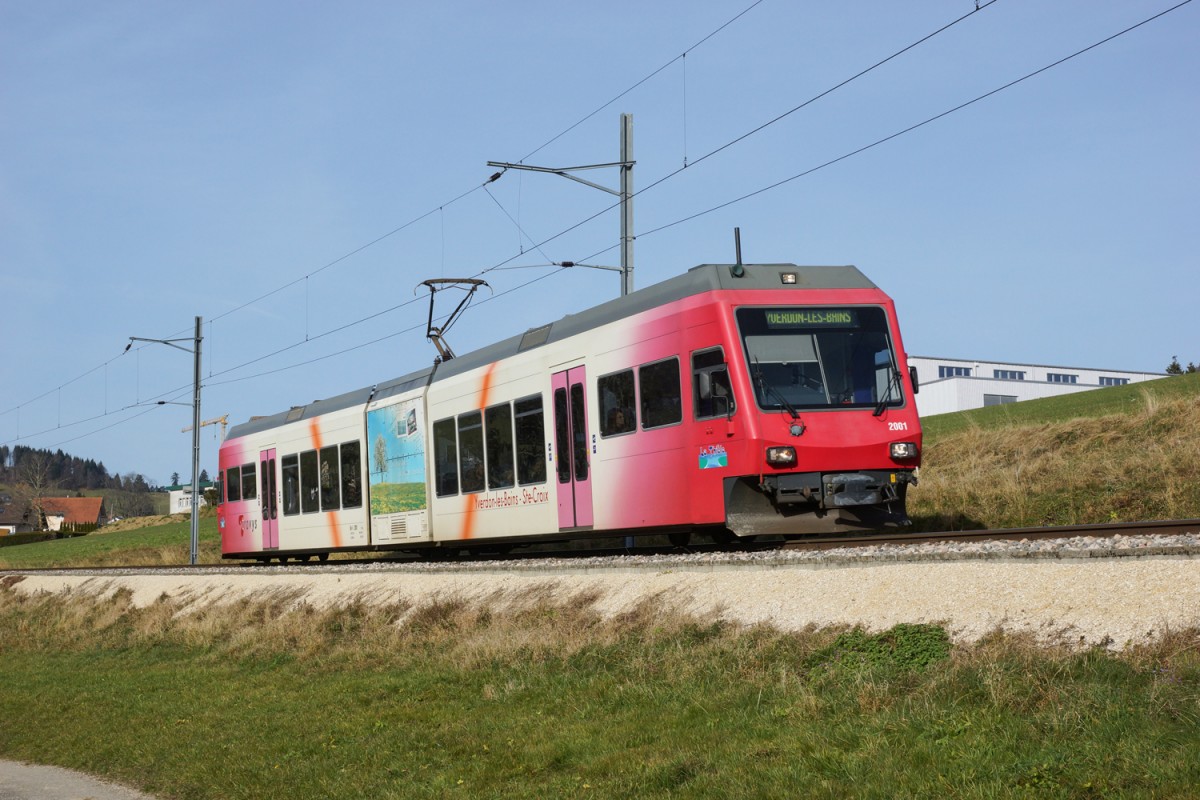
{"x": 562, "y": 436}
{"x": 330, "y": 482}
{"x": 616, "y": 403}
{"x": 234, "y": 482}
{"x": 711, "y": 390}
{"x": 470, "y": 452}
{"x": 662, "y": 401}
{"x": 445, "y": 457}
{"x": 498, "y": 420}
{"x": 249, "y": 482}
{"x": 579, "y": 432}
{"x": 291, "y": 485}
{"x": 531, "y": 441}
{"x": 351, "y": 484}
{"x": 310, "y": 498}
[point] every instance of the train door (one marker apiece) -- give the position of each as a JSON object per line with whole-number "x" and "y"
{"x": 270, "y": 501}
{"x": 572, "y": 465}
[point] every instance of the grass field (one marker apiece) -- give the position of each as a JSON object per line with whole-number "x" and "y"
{"x": 167, "y": 543}
{"x": 1120, "y": 454}
{"x": 268, "y": 700}
{"x": 388, "y": 498}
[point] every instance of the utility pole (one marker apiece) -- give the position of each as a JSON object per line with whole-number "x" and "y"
{"x": 625, "y": 193}
{"x": 626, "y": 204}
{"x": 195, "y": 351}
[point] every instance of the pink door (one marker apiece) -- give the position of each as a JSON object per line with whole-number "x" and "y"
{"x": 270, "y": 503}
{"x": 572, "y": 442}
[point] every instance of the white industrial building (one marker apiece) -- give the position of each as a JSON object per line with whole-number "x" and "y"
{"x": 955, "y": 384}
{"x": 181, "y": 500}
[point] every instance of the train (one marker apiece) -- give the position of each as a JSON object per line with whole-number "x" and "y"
{"x": 735, "y": 401}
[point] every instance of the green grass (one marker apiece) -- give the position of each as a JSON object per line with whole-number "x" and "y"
{"x": 159, "y": 544}
{"x": 1120, "y": 400}
{"x": 265, "y": 700}
{"x": 387, "y": 498}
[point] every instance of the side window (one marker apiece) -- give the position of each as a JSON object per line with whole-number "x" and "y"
{"x": 310, "y": 499}
{"x": 616, "y": 403}
{"x": 579, "y": 445}
{"x": 498, "y": 421}
{"x": 249, "y": 482}
{"x": 351, "y": 484}
{"x": 470, "y": 452}
{"x": 531, "y": 441}
{"x": 562, "y": 436}
{"x": 234, "y": 481}
{"x": 662, "y": 403}
{"x": 330, "y": 482}
{"x": 291, "y": 485}
{"x": 711, "y": 389}
{"x": 445, "y": 457}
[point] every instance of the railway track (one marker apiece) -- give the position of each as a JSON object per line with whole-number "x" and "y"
{"x": 582, "y": 556}
{"x": 1106, "y": 530}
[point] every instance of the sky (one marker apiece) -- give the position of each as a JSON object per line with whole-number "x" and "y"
{"x": 291, "y": 172}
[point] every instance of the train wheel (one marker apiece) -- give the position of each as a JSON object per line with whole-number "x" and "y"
{"x": 283, "y": 560}
{"x": 323, "y": 557}
{"x": 680, "y": 538}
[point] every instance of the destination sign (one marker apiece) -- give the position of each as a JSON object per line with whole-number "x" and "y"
{"x": 812, "y": 318}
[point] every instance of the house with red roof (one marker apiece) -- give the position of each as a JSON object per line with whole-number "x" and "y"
{"x": 69, "y": 513}
{"x": 59, "y": 513}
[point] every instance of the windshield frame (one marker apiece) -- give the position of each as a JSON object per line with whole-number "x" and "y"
{"x": 843, "y": 362}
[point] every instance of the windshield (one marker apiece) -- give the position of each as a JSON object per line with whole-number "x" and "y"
{"x": 820, "y": 357}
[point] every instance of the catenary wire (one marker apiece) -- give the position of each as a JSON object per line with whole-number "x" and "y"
{"x": 538, "y": 245}
{"x": 730, "y": 202}
{"x": 398, "y": 229}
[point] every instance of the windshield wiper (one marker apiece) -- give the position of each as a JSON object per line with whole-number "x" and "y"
{"x": 768, "y": 389}
{"x": 893, "y": 379}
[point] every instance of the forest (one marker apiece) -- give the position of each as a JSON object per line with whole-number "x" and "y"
{"x": 66, "y": 472}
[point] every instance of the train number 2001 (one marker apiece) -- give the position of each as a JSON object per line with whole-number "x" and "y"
{"x": 897, "y": 426}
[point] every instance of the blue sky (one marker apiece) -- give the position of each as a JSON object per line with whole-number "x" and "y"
{"x": 160, "y": 161}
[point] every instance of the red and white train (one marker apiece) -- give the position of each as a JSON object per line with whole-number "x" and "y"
{"x": 734, "y": 400}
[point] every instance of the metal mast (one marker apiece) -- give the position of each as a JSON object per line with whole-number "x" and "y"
{"x": 625, "y": 193}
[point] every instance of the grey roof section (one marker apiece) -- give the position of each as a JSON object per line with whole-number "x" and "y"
{"x": 704, "y": 278}
{"x": 358, "y": 397}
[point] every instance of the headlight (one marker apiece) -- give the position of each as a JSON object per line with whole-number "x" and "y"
{"x": 781, "y": 456}
{"x": 904, "y": 450}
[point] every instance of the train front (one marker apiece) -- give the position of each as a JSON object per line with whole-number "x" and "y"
{"x": 833, "y": 437}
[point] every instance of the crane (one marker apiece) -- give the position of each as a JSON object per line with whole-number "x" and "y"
{"x": 223, "y": 419}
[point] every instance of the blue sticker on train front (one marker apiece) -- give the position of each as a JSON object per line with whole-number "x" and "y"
{"x": 714, "y": 457}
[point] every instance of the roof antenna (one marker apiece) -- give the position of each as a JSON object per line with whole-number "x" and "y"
{"x": 737, "y": 270}
{"x": 436, "y": 334}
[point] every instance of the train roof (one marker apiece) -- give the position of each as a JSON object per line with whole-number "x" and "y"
{"x": 703, "y": 278}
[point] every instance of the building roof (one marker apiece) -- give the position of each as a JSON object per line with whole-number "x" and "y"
{"x": 74, "y": 510}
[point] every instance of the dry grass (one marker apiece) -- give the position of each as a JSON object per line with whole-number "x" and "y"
{"x": 544, "y": 697}
{"x": 1120, "y": 467}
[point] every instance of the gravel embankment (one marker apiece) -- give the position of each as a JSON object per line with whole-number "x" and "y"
{"x": 1086, "y": 591}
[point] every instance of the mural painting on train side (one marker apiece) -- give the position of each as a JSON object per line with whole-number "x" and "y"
{"x": 396, "y": 466}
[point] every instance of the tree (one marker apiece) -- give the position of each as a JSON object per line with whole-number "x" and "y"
{"x": 381, "y": 455}
{"x": 174, "y": 478}
{"x": 1175, "y": 369}
{"x": 203, "y": 475}
{"x": 34, "y": 483}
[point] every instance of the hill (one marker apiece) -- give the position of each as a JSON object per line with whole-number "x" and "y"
{"x": 1120, "y": 454}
